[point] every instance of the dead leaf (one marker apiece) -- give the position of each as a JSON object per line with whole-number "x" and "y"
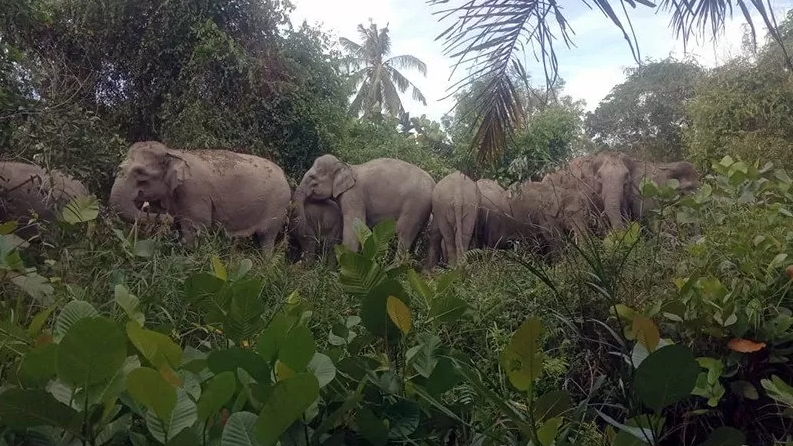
{"x": 744, "y": 345}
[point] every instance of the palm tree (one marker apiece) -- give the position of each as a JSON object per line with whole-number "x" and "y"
{"x": 487, "y": 35}
{"x": 377, "y": 79}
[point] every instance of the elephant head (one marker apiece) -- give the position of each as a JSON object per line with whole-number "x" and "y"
{"x": 684, "y": 172}
{"x": 328, "y": 178}
{"x": 153, "y": 172}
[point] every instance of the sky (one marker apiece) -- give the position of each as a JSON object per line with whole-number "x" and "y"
{"x": 590, "y": 69}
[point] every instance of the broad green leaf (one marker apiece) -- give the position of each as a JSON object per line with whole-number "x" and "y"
{"x": 38, "y": 365}
{"x": 80, "y": 210}
{"x": 298, "y": 348}
{"x": 157, "y": 348}
{"x": 242, "y": 269}
{"x": 71, "y": 313}
{"x": 37, "y": 324}
{"x": 240, "y": 430}
{"x": 420, "y": 286}
{"x": 522, "y": 357}
{"x": 370, "y": 427}
{"x": 118, "y": 427}
{"x": 207, "y": 292}
{"x": 359, "y": 275}
{"x": 403, "y": 418}
{"x": 447, "y": 309}
{"x": 145, "y": 248}
{"x": 21, "y": 408}
{"x": 129, "y": 303}
{"x": 8, "y": 227}
{"x": 399, "y": 314}
{"x": 444, "y": 377}
{"x": 382, "y": 234}
{"x": 150, "y": 389}
{"x": 623, "y": 311}
{"x": 91, "y": 351}
{"x": 547, "y": 432}
{"x": 322, "y": 367}
{"x": 374, "y": 314}
{"x": 183, "y": 416}
{"x": 646, "y": 332}
{"x": 552, "y": 405}
{"x": 778, "y": 390}
{"x": 666, "y": 377}
{"x": 111, "y": 388}
{"x": 229, "y": 360}
{"x": 286, "y": 404}
{"x": 424, "y": 357}
{"x": 218, "y": 268}
{"x": 272, "y": 338}
{"x": 725, "y": 436}
{"x": 244, "y": 317}
{"x": 445, "y": 281}
{"x": 35, "y": 285}
{"x": 218, "y": 393}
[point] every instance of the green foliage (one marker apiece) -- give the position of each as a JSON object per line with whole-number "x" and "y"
{"x": 646, "y": 114}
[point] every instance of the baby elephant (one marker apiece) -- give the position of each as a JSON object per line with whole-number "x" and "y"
{"x": 455, "y": 205}
{"x": 318, "y": 234}
{"x": 246, "y": 194}
{"x": 27, "y": 187}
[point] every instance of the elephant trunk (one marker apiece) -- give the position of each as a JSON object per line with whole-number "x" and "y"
{"x": 123, "y": 201}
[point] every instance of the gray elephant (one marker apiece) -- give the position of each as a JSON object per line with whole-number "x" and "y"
{"x": 317, "y": 234}
{"x": 685, "y": 173}
{"x": 602, "y": 179}
{"x": 125, "y": 202}
{"x": 27, "y": 187}
{"x": 494, "y": 226}
{"x": 246, "y": 194}
{"x": 455, "y": 207}
{"x": 380, "y": 189}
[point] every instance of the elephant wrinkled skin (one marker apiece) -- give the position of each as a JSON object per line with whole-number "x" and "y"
{"x": 246, "y": 194}
{"x": 316, "y": 235}
{"x": 27, "y": 187}
{"x": 455, "y": 206}
{"x": 380, "y": 189}
{"x": 661, "y": 173}
{"x": 494, "y": 221}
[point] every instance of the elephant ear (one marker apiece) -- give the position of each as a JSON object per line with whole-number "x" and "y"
{"x": 177, "y": 170}
{"x": 343, "y": 179}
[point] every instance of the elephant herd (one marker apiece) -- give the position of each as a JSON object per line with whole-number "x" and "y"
{"x": 250, "y": 196}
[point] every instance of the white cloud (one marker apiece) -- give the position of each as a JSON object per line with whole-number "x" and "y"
{"x": 591, "y": 69}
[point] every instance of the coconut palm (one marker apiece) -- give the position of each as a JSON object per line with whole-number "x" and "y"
{"x": 377, "y": 79}
{"x": 488, "y": 35}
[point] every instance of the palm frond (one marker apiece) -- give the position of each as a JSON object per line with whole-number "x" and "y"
{"x": 384, "y": 42}
{"x": 391, "y": 102}
{"x": 406, "y": 61}
{"x": 357, "y": 104}
{"x": 695, "y": 18}
{"x": 498, "y": 116}
{"x": 353, "y": 48}
{"x": 402, "y": 83}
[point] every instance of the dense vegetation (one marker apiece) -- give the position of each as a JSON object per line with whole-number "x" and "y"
{"x": 675, "y": 332}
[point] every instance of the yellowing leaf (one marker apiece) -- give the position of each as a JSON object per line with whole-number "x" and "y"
{"x": 646, "y": 332}
{"x": 218, "y": 268}
{"x": 622, "y": 311}
{"x": 170, "y": 376}
{"x": 744, "y": 345}
{"x": 282, "y": 371}
{"x": 399, "y": 313}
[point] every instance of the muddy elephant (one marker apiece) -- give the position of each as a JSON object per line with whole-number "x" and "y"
{"x": 661, "y": 173}
{"x": 26, "y": 188}
{"x": 494, "y": 225}
{"x": 547, "y": 213}
{"x": 317, "y": 234}
{"x": 124, "y": 202}
{"x": 245, "y": 194}
{"x": 455, "y": 207}
{"x": 602, "y": 179}
{"x": 380, "y": 189}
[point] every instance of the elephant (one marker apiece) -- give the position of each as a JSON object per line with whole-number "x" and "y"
{"x": 380, "y": 189}
{"x": 437, "y": 250}
{"x": 455, "y": 207}
{"x": 28, "y": 187}
{"x": 317, "y": 234}
{"x": 661, "y": 173}
{"x": 494, "y": 218}
{"x": 124, "y": 201}
{"x": 547, "y": 212}
{"x": 246, "y": 194}
{"x": 602, "y": 179}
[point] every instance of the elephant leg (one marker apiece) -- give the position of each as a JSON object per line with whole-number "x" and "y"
{"x": 267, "y": 234}
{"x": 434, "y": 249}
{"x": 447, "y": 242}
{"x": 352, "y": 209}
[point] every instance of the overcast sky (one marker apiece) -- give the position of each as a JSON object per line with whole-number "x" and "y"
{"x": 590, "y": 69}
